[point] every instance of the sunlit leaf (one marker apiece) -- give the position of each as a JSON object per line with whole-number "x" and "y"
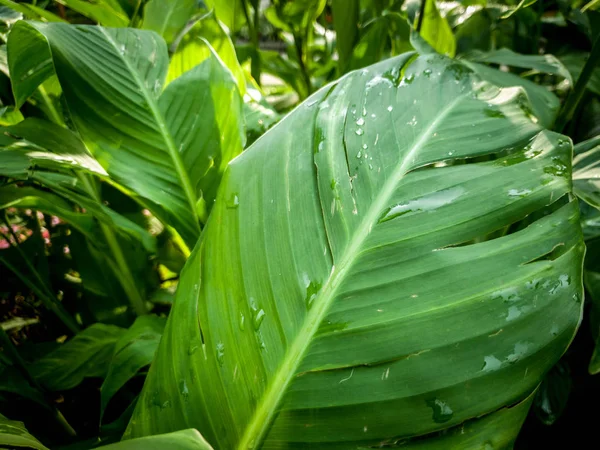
{"x": 435, "y": 30}
{"x": 170, "y": 147}
{"x": 343, "y": 293}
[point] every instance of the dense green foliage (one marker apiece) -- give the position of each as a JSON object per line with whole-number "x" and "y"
{"x": 330, "y": 224}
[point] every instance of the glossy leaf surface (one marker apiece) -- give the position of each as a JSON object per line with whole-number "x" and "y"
{"x": 435, "y": 30}
{"x": 170, "y": 146}
{"x": 344, "y": 293}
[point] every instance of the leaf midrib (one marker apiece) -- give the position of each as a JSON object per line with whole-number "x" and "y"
{"x": 168, "y": 139}
{"x": 260, "y": 422}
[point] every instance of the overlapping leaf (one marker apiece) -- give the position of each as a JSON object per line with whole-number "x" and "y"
{"x": 397, "y": 256}
{"x": 170, "y": 146}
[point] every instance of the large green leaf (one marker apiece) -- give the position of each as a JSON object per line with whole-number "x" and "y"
{"x": 192, "y": 50}
{"x": 86, "y": 355}
{"x": 435, "y": 30}
{"x": 170, "y": 146}
{"x": 14, "y": 434}
{"x": 541, "y": 63}
{"x": 230, "y": 12}
{"x": 168, "y": 17}
{"x": 133, "y": 351}
{"x": 343, "y": 294}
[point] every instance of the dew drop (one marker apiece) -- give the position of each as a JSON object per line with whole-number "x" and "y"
{"x": 441, "y": 411}
{"x": 491, "y": 363}
{"x": 390, "y": 108}
{"x": 233, "y": 201}
{"x": 185, "y": 393}
{"x": 312, "y": 289}
{"x": 359, "y": 132}
{"x": 258, "y": 319}
{"x": 519, "y": 193}
{"x": 360, "y": 122}
{"x": 220, "y": 353}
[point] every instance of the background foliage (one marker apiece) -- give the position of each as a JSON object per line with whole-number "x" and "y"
{"x": 91, "y": 247}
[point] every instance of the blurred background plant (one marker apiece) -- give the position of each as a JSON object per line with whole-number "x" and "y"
{"x": 90, "y": 259}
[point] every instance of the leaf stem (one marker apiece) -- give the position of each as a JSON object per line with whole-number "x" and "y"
{"x": 255, "y": 68}
{"x": 121, "y": 271}
{"x": 421, "y": 14}
{"x": 566, "y": 113}
{"x": 299, "y": 45}
{"x": 54, "y": 116}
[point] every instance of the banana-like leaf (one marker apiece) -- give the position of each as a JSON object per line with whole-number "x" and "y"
{"x": 345, "y": 19}
{"x": 586, "y": 171}
{"x": 192, "y": 50}
{"x": 435, "y": 30}
{"x": 541, "y": 63}
{"x": 168, "y": 17}
{"x": 170, "y": 146}
{"x": 13, "y": 434}
{"x": 230, "y": 12}
{"x": 36, "y": 142}
{"x": 343, "y": 294}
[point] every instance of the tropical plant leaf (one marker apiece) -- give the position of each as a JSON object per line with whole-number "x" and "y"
{"x": 179, "y": 440}
{"x": 230, "y": 12}
{"x": 133, "y": 351}
{"x": 435, "y": 30}
{"x": 544, "y": 104}
{"x": 498, "y": 429}
{"x": 345, "y": 21}
{"x": 192, "y": 50}
{"x": 88, "y": 354}
{"x": 169, "y": 147}
{"x": 168, "y": 17}
{"x": 31, "y": 11}
{"x": 36, "y": 142}
{"x": 574, "y": 62}
{"x": 14, "y": 434}
{"x": 541, "y": 63}
{"x": 343, "y": 293}
{"x": 586, "y": 171}
{"x": 105, "y": 12}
